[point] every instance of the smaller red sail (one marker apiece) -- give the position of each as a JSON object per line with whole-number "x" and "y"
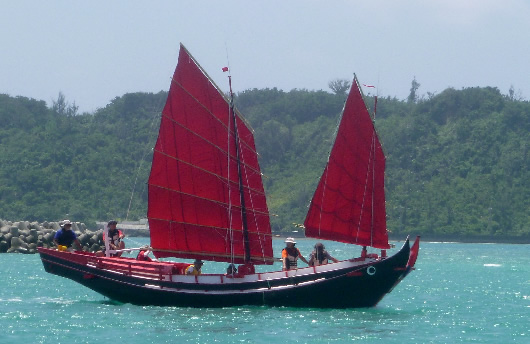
{"x": 349, "y": 202}
{"x": 195, "y": 190}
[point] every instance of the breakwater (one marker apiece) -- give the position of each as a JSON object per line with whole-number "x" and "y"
{"x": 25, "y": 236}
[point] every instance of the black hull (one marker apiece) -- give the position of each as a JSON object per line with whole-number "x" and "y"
{"x": 346, "y": 284}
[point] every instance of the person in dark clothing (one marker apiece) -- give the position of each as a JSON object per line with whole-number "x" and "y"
{"x": 65, "y": 237}
{"x": 320, "y": 256}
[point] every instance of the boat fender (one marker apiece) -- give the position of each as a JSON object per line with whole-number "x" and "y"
{"x": 370, "y": 270}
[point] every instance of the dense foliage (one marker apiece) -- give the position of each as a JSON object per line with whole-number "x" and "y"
{"x": 457, "y": 162}
{"x": 56, "y": 165}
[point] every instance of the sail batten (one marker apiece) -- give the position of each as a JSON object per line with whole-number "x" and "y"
{"x": 215, "y": 118}
{"x": 198, "y": 168}
{"x": 263, "y": 212}
{"x": 349, "y": 202}
{"x": 200, "y": 192}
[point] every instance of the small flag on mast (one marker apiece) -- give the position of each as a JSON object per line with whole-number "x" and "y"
{"x": 225, "y": 69}
{"x": 365, "y": 85}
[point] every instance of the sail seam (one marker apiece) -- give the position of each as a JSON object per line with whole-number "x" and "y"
{"x": 211, "y": 114}
{"x": 255, "y": 211}
{"x": 209, "y": 172}
{"x": 209, "y": 142}
{"x": 212, "y": 227}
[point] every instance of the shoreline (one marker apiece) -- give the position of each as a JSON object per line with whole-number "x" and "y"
{"x": 430, "y": 238}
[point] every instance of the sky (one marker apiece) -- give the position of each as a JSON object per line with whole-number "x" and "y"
{"x": 94, "y": 51}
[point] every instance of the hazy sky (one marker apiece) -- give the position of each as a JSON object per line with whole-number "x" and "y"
{"x": 94, "y": 51}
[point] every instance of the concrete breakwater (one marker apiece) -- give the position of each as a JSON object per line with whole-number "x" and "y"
{"x": 25, "y": 236}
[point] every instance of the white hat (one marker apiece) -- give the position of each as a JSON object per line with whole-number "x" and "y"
{"x": 291, "y": 240}
{"x": 66, "y": 222}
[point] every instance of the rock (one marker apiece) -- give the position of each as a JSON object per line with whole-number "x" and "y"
{"x": 17, "y": 250}
{"x": 48, "y": 238}
{"x": 94, "y": 239}
{"x": 13, "y": 230}
{"x": 7, "y": 237}
{"x": 22, "y": 225}
{"x": 34, "y": 225}
{"x": 4, "y": 246}
{"x": 83, "y": 238}
{"x": 32, "y": 238}
{"x": 5, "y": 229}
{"x": 17, "y": 242}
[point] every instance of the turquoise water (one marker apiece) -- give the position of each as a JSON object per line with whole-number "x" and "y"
{"x": 459, "y": 293}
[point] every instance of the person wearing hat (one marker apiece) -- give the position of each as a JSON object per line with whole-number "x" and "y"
{"x": 195, "y": 268}
{"x": 65, "y": 237}
{"x": 290, "y": 255}
{"x": 320, "y": 256}
{"x": 115, "y": 238}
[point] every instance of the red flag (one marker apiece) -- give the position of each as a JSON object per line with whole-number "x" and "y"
{"x": 225, "y": 69}
{"x": 372, "y": 86}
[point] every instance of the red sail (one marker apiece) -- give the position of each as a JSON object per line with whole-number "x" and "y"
{"x": 349, "y": 202}
{"x": 194, "y": 206}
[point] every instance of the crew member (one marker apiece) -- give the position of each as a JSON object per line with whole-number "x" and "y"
{"x": 291, "y": 254}
{"x": 320, "y": 256}
{"x": 195, "y": 268}
{"x": 65, "y": 237}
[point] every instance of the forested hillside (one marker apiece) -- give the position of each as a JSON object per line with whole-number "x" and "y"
{"x": 457, "y": 162}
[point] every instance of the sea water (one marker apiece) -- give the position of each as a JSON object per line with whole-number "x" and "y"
{"x": 459, "y": 293}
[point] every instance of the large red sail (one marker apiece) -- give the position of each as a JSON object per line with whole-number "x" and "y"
{"x": 194, "y": 206}
{"x": 349, "y": 202}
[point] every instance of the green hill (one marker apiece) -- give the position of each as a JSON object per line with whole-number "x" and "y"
{"x": 457, "y": 162}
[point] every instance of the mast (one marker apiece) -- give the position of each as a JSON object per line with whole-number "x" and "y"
{"x": 241, "y": 191}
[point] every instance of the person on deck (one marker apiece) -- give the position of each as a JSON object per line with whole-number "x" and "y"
{"x": 144, "y": 255}
{"x": 231, "y": 270}
{"x": 290, "y": 255}
{"x": 195, "y": 268}
{"x": 320, "y": 256}
{"x": 66, "y": 237}
{"x": 115, "y": 239}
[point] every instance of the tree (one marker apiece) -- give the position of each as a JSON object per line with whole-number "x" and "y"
{"x": 62, "y": 107}
{"x": 339, "y": 86}
{"x": 413, "y": 97}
